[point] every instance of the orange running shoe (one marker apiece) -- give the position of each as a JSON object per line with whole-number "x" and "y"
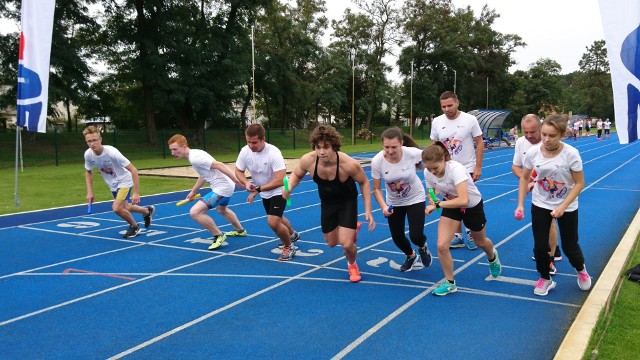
{"x": 354, "y": 273}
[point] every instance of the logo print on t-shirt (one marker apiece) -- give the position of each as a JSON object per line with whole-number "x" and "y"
{"x": 554, "y": 188}
{"x": 399, "y": 189}
{"x": 453, "y": 145}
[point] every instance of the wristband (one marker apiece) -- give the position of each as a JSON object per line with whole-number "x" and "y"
{"x": 437, "y": 203}
{"x": 258, "y": 189}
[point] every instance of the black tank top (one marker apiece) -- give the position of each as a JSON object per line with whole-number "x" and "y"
{"x": 333, "y": 190}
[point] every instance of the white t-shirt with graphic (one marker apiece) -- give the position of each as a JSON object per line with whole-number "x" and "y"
{"x": 403, "y": 186}
{"x": 607, "y": 125}
{"x": 454, "y": 174}
{"x": 458, "y": 136}
{"x": 111, "y": 164}
{"x": 220, "y": 183}
{"x": 554, "y": 180}
{"x": 262, "y": 165}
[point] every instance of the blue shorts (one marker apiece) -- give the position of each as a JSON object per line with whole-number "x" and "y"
{"x": 213, "y": 200}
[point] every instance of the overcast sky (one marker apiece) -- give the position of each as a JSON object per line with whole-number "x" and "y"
{"x": 556, "y": 29}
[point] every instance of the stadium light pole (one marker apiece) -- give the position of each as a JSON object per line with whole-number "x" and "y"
{"x": 411, "y": 103}
{"x": 353, "y": 96}
{"x": 455, "y": 81}
{"x": 487, "y": 93}
{"x": 253, "y": 75}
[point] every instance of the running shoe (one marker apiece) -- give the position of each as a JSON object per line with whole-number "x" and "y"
{"x": 558, "y": 255}
{"x": 354, "y": 273}
{"x": 217, "y": 241}
{"x": 147, "y": 218}
{"x": 457, "y": 241}
{"x": 294, "y": 237}
{"x": 408, "y": 263}
{"x": 543, "y": 286}
{"x": 495, "y": 268}
{"x": 584, "y": 280}
{"x": 471, "y": 244}
{"x": 242, "y": 232}
{"x": 287, "y": 253}
{"x": 132, "y": 232}
{"x": 425, "y": 256}
{"x": 445, "y": 288}
{"x": 552, "y": 269}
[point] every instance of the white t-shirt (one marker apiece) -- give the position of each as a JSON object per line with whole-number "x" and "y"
{"x": 262, "y": 165}
{"x": 554, "y": 180}
{"x": 403, "y": 186}
{"x": 458, "y": 136}
{"x": 607, "y": 125}
{"x": 599, "y": 125}
{"x": 220, "y": 183}
{"x": 522, "y": 146}
{"x": 111, "y": 164}
{"x": 454, "y": 174}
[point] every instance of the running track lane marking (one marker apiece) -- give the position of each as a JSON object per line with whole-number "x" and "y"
{"x": 70, "y": 270}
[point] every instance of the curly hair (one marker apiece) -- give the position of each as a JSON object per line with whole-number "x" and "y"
{"x": 325, "y": 133}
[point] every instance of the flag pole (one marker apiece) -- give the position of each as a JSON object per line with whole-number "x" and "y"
{"x": 16, "y": 196}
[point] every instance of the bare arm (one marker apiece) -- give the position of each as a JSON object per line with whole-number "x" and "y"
{"x": 135, "y": 194}
{"x": 216, "y": 165}
{"x": 522, "y": 190}
{"x": 357, "y": 173}
{"x": 477, "y": 171}
{"x": 298, "y": 173}
{"x": 88, "y": 178}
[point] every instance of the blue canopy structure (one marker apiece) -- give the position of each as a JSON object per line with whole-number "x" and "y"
{"x": 491, "y": 122}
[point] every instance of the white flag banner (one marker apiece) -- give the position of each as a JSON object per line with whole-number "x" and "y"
{"x": 621, "y": 23}
{"x": 33, "y": 66}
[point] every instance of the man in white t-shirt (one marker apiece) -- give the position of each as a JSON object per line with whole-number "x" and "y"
{"x": 222, "y": 183}
{"x": 460, "y": 133}
{"x": 121, "y": 177}
{"x": 266, "y": 166}
{"x": 530, "y": 126}
{"x": 607, "y": 128}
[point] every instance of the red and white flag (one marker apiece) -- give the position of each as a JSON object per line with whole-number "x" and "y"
{"x": 33, "y": 66}
{"x": 621, "y": 23}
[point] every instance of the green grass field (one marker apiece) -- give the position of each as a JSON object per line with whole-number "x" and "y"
{"x": 617, "y": 335}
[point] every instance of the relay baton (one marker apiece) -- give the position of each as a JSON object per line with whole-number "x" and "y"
{"x": 390, "y": 208}
{"x": 285, "y": 181}
{"x": 432, "y": 194}
{"x": 89, "y": 206}
{"x": 182, "y": 202}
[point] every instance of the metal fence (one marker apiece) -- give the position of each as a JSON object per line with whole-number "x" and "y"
{"x": 61, "y": 147}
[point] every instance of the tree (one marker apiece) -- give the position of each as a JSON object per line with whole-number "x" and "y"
{"x": 593, "y": 82}
{"x": 543, "y": 89}
{"x": 445, "y": 42}
{"x": 369, "y": 36}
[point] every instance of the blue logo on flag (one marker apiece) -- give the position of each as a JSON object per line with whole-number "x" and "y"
{"x": 630, "y": 55}
{"x": 29, "y": 87}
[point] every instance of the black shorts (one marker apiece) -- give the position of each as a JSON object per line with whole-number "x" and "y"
{"x": 274, "y": 205}
{"x": 607, "y": 131}
{"x": 343, "y": 214}
{"x": 473, "y": 218}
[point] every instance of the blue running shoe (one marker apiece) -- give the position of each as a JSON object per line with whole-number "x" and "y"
{"x": 457, "y": 241}
{"x": 445, "y": 288}
{"x": 495, "y": 268}
{"x": 471, "y": 244}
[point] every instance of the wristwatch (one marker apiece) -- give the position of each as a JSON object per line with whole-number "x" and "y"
{"x": 437, "y": 204}
{"x": 258, "y": 189}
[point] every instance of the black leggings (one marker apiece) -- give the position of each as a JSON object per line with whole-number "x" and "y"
{"x": 415, "y": 214}
{"x": 568, "y": 225}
